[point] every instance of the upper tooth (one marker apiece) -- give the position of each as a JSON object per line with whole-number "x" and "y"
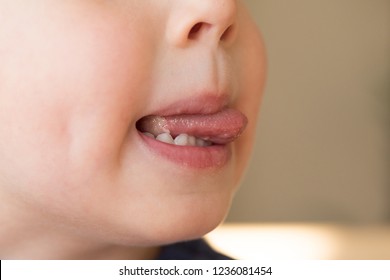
{"x": 165, "y": 137}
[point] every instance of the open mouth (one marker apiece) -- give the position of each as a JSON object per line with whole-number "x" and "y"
{"x": 201, "y": 130}
{"x": 198, "y": 140}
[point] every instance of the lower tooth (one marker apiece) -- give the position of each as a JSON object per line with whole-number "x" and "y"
{"x": 200, "y": 142}
{"x": 207, "y": 143}
{"x": 181, "y": 140}
{"x": 165, "y": 137}
{"x": 203, "y": 143}
{"x": 191, "y": 141}
{"x": 148, "y": 134}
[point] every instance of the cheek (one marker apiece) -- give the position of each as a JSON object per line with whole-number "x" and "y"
{"x": 67, "y": 99}
{"x": 252, "y": 73}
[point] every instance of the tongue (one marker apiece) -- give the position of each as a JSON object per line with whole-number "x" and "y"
{"x": 220, "y": 128}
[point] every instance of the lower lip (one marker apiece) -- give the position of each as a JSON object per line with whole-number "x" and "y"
{"x": 215, "y": 156}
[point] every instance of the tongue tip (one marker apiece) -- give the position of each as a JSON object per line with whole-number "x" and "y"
{"x": 225, "y": 139}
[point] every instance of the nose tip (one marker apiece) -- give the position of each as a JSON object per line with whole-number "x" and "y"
{"x": 204, "y": 20}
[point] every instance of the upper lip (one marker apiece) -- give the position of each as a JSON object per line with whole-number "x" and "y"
{"x": 201, "y": 104}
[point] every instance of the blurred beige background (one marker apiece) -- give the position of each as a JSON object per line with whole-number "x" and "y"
{"x": 322, "y": 151}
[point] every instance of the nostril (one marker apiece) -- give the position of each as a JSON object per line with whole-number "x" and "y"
{"x": 226, "y": 34}
{"x": 195, "y": 30}
{"x": 201, "y": 27}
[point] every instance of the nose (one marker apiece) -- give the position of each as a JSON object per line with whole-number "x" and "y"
{"x": 211, "y": 21}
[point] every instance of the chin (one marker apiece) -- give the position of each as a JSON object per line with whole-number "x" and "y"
{"x": 187, "y": 228}
{"x": 176, "y": 220}
{"x": 197, "y": 220}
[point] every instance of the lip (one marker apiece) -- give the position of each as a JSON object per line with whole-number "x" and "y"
{"x": 209, "y": 157}
{"x": 202, "y": 104}
{"x": 215, "y": 156}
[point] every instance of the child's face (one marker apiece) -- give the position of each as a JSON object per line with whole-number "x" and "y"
{"x": 77, "y": 75}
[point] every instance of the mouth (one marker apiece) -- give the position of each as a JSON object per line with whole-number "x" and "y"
{"x": 200, "y": 130}
{"x": 194, "y": 140}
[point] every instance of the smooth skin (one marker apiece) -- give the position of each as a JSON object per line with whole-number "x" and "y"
{"x": 75, "y": 76}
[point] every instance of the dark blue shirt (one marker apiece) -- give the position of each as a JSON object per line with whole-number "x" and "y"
{"x": 190, "y": 250}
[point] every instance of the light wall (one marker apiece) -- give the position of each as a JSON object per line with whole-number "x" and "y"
{"x": 322, "y": 152}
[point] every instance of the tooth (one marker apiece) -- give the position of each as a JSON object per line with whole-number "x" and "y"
{"x": 165, "y": 137}
{"x": 200, "y": 142}
{"x": 148, "y": 134}
{"x": 203, "y": 142}
{"x": 207, "y": 143}
{"x": 181, "y": 140}
{"x": 191, "y": 141}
